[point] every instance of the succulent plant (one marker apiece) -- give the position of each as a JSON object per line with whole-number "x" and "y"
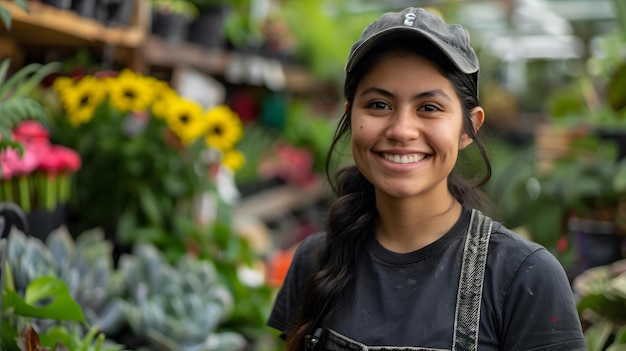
{"x": 177, "y": 307}
{"x": 84, "y": 265}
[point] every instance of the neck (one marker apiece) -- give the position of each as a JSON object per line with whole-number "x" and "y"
{"x": 405, "y": 226}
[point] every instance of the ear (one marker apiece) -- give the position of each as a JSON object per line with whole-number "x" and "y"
{"x": 477, "y": 118}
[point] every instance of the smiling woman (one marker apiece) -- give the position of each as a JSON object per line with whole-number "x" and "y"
{"x": 406, "y": 243}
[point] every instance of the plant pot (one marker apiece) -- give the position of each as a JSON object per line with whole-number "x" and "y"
{"x": 85, "y": 8}
{"x": 114, "y": 12}
{"x": 207, "y": 29}
{"x": 616, "y": 135}
{"x": 172, "y": 27}
{"x": 62, "y": 4}
{"x": 596, "y": 243}
{"x": 42, "y": 222}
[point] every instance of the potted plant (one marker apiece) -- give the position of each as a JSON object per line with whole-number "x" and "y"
{"x": 601, "y": 303}
{"x": 171, "y": 18}
{"x": 208, "y": 29}
{"x": 588, "y": 184}
{"x": 147, "y": 152}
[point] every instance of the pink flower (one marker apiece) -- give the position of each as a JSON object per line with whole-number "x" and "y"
{"x": 58, "y": 159}
{"x": 13, "y": 165}
{"x": 70, "y": 160}
{"x": 31, "y": 131}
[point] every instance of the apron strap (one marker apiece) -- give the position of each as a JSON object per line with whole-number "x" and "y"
{"x": 467, "y": 314}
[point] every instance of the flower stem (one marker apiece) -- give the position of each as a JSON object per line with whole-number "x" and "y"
{"x": 64, "y": 187}
{"x": 51, "y": 191}
{"x": 24, "y": 193}
{"x": 8, "y": 190}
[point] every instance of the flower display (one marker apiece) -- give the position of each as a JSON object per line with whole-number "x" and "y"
{"x": 129, "y": 91}
{"x": 39, "y": 176}
{"x": 144, "y": 150}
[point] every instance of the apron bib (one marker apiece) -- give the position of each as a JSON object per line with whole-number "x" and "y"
{"x": 467, "y": 311}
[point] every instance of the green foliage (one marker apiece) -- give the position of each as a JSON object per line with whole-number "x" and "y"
{"x": 602, "y": 303}
{"x": 47, "y": 298}
{"x": 132, "y": 185}
{"x": 325, "y": 31}
{"x": 304, "y": 129}
{"x": 61, "y": 307}
{"x": 85, "y": 286}
{"x": 15, "y": 104}
{"x": 185, "y": 8}
{"x": 5, "y": 14}
{"x": 177, "y": 307}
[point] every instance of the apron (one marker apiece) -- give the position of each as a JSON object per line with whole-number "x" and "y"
{"x": 467, "y": 311}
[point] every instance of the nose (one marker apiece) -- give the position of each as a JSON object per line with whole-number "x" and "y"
{"x": 403, "y": 125}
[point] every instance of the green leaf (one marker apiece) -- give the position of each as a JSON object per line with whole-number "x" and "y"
{"x": 150, "y": 205}
{"x": 8, "y": 337}
{"x": 61, "y": 305}
{"x": 4, "y": 69}
{"x": 14, "y": 80}
{"x": 620, "y": 336}
{"x": 22, "y": 4}
{"x": 26, "y": 87}
{"x": 5, "y": 17}
{"x": 597, "y": 335}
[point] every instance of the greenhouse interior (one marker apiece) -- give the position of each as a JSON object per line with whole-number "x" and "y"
{"x": 163, "y": 159}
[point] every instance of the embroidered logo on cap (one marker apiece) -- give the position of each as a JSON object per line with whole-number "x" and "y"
{"x": 409, "y": 19}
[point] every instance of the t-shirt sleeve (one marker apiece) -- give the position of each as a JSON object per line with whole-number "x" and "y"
{"x": 539, "y": 311}
{"x": 288, "y": 296}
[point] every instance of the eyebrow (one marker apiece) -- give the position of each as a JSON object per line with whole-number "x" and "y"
{"x": 425, "y": 94}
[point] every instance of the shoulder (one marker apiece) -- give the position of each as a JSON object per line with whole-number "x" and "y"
{"x": 506, "y": 242}
{"x": 305, "y": 257}
{"x": 512, "y": 257}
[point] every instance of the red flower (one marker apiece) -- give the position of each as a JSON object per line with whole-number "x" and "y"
{"x": 70, "y": 160}
{"x": 57, "y": 159}
{"x": 31, "y": 131}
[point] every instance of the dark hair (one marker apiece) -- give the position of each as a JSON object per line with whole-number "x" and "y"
{"x": 352, "y": 216}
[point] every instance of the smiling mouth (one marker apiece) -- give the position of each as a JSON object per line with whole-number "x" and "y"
{"x": 410, "y": 158}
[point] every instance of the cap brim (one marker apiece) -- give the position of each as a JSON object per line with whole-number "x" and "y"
{"x": 402, "y": 31}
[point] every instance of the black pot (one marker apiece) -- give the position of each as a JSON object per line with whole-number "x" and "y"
{"x": 42, "y": 222}
{"x": 207, "y": 29}
{"x": 596, "y": 243}
{"x": 62, "y": 4}
{"x": 172, "y": 27}
{"x": 114, "y": 12}
{"x": 85, "y": 8}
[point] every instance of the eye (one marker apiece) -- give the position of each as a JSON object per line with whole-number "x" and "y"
{"x": 429, "y": 108}
{"x": 379, "y": 105}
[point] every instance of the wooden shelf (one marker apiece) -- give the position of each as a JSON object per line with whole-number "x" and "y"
{"x": 45, "y": 25}
{"x": 159, "y": 52}
{"x": 277, "y": 202}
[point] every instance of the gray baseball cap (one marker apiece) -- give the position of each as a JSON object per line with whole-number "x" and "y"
{"x": 452, "y": 39}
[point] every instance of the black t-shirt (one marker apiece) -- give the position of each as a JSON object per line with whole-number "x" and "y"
{"x": 410, "y": 299}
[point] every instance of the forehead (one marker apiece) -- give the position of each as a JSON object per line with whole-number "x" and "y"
{"x": 407, "y": 71}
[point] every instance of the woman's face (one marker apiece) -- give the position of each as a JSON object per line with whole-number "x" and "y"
{"x": 407, "y": 128}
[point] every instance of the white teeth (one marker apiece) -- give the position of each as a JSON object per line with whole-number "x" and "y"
{"x": 403, "y": 158}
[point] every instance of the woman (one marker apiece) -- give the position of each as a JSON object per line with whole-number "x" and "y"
{"x": 407, "y": 262}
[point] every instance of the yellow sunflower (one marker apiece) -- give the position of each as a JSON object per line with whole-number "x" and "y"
{"x": 233, "y": 159}
{"x": 80, "y": 98}
{"x": 164, "y": 97}
{"x": 224, "y": 128}
{"x": 184, "y": 117}
{"x": 130, "y": 91}
{"x": 81, "y": 115}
